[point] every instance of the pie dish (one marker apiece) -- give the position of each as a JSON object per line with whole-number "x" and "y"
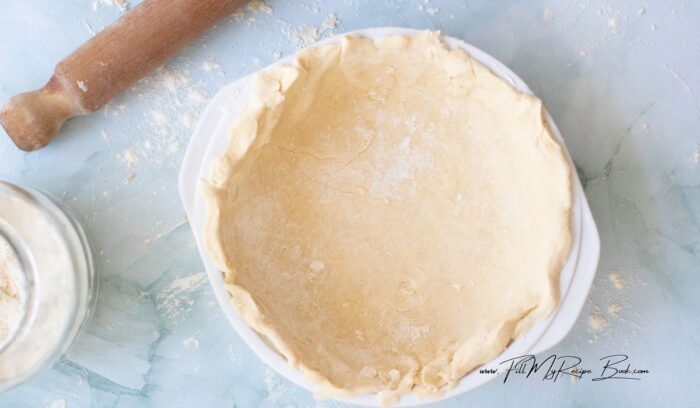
{"x": 416, "y": 281}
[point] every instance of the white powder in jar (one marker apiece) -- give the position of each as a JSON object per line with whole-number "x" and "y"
{"x": 10, "y": 291}
{"x": 55, "y": 289}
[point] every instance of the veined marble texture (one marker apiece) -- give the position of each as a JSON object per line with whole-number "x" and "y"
{"x": 620, "y": 78}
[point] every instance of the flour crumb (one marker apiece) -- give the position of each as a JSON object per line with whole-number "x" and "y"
{"x": 696, "y": 156}
{"x": 81, "y": 84}
{"x": 306, "y": 35}
{"x": 57, "y": 403}
{"x": 188, "y": 119}
{"x": 432, "y": 10}
{"x": 173, "y": 147}
{"x": 123, "y": 5}
{"x": 645, "y": 125}
{"x": 548, "y": 14}
{"x": 257, "y": 6}
{"x": 641, "y": 11}
{"x": 331, "y": 21}
{"x": 616, "y": 279}
{"x": 653, "y": 27}
{"x": 159, "y": 116}
{"x": 596, "y": 322}
{"x": 317, "y": 266}
{"x": 614, "y": 24}
{"x": 614, "y": 309}
{"x": 210, "y": 65}
{"x": 114, "y": 110}
{"x": 190, "y": 343}
{"x": 173, "y": 81}
{"x": 130, "y": 157}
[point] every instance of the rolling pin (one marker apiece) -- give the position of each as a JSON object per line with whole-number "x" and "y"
{"x": 140, "y": 41}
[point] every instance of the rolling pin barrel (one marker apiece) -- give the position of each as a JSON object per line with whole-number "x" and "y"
{"x": 143, "y": 39}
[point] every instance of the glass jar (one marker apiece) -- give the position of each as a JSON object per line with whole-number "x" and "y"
{"x": 49, "y": 279}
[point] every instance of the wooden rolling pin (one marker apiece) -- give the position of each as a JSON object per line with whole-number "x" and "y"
{"x": 108, "y": 64}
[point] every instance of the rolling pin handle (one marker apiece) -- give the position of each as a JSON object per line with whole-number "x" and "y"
{"x": 33, "y": 119}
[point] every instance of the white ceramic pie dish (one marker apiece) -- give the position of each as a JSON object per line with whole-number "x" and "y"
{"x": 210, "y": 140}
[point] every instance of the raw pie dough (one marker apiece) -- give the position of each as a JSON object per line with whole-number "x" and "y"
{"x": 390, "y": 214}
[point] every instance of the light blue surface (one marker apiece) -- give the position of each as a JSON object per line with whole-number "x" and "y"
{"x": 620, "y": 78}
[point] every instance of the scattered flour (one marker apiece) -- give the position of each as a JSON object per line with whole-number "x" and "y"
{"x": 306, "y": 35}
{"x": 197, "y": 97}
{"x": 614, "y": 23}
{"x": 548, "y": 14}
{"x": 210, "y": 65}
{"x": 613, "y": 18}
{"x": 238, "y": 16}
{"x": 81, "y": 84}
{"x": 171, "y": 102}
{"x": 188, "y": 120}
{"x": 696, "y": 156}
{"x": 190, "y": 343}
{"x": 175, "y": 300}
{"x": 596, "y": 323}
{"x": 331, "y": 21}
{"x": 123, "y": 5}
{"x": 130, "y": 158}
{"x": 257, "y": 6}
{"x": 616, "y": 279}
{"x": 614, "y": 309}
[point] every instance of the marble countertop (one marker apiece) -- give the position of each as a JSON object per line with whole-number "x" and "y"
{"x": 620, "y": 78}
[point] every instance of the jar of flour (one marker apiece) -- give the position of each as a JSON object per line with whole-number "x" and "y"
{"x": 47, "y": 282}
